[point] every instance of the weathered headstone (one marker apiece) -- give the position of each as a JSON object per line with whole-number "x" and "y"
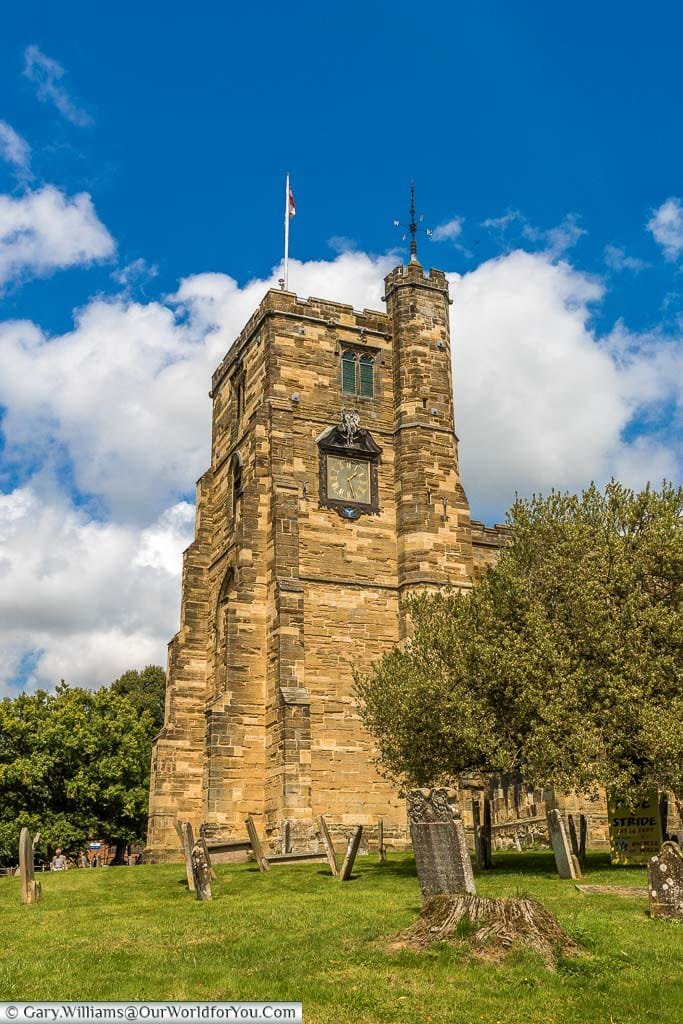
{"x": 482, "y": 834}
{"x": 439, "y": 843}
{"x": 329, "y": 846}
{"x": 201, "y": 870}
{"x": 565, "y": 861}
{"x": 380, "y": 841}
{"x": 578, "y": 840}
{"x": 30, "y": 889}
{"x": 486, "y": 835}
{"x": 184, "y": 830}
{"x": 612, "y": 890}
{"x": 351, "y": 852}
{"x": 476, "y": 825}
{"x": 665, "y": 882}
{"x": 256, "y": 847}
{"x": 583, "y": 835}
{"x": 207, "y": 855}
{"x": 573, "y": 836}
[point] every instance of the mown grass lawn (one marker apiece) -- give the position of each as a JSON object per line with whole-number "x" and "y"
{"x": 295, "y": 933}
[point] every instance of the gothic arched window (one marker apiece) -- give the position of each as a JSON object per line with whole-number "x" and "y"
{"x": 357, "y": 374}
{"x": 349, "y": 373}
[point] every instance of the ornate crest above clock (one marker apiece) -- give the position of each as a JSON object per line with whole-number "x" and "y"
{"x": 349, "y": 458}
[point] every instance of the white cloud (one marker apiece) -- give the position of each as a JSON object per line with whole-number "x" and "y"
{"x": 88, "y": 599}
{"x": 125, "y": 392}
{"x": 47, "y": 74}
{"x": 45, "y": 230}
{"x": 504, "y": 222}
{"x": 15, "y": 151}
{"x": 616, "y": 259}
{"x": 540, "y": 401}
{"x": 449, "y": 231}
{"x": 135, "y": 272}
{"x": 558, "y": 240}
{"x": 555, "y": 241}
{"x": 666, "y": 226}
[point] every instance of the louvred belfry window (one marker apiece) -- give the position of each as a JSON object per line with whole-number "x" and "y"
{"x": 358, "y": 374}
{"x": 349, "y": 373}
{"x": 365, "y": 376}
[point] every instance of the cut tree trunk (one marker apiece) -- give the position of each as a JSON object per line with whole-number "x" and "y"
{"x": 490, "y": 927}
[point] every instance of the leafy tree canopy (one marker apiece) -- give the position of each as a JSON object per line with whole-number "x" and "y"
{"x": 145, "y": 690}
{"x": 564, "y": 663}
{"x": 74, "y": 764}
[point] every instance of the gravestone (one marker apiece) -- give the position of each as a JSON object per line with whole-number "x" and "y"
{"x": 665, "y": 882}
{"x": 201, "y": 870}
{"x": 578, "y": 840}
{"x": 30, "y": 889}
{"x": 476, "y": 826}
{"x": 256, "y": 847}
{"x": 439, "y": 843}
{"x": 207, "y": 855}
{"x": 565, "y": 861}
{"x": 486, "y": 834}
{"x": 380, "y": 841}
{"x": 329, "y": 846}
{"x": 184, "y": 830}
{"x": 351, "y": 851}
{"x": 482, "y": 834}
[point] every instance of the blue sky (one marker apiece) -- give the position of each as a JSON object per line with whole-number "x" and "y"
{"x": 490, "y": 106}
{"x": 144, "y": 151}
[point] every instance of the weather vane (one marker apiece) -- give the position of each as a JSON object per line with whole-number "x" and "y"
{"x": 414, "y": 226}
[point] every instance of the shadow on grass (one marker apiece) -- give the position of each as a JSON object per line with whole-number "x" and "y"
{"x": 540, "y": 863}
{"x": 403, "y": 868}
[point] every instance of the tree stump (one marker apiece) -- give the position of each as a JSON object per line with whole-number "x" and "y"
{"x": 490, "y": 927}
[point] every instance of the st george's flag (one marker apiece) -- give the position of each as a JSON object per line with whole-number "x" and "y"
{"x": 291, "y": 208}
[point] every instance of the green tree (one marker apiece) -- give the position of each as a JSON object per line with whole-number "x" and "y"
{"x": 146, "y": 690}
{"x": 73, "y": 765}
{"x": 564, "y": 663}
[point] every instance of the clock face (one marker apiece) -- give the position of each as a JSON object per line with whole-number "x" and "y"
{"x": 348, "y": 479}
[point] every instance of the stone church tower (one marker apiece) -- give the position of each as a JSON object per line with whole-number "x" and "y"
{"x": 333, "y": 495}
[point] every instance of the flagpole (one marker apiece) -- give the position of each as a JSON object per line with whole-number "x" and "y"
{"x": 287, "y": 232}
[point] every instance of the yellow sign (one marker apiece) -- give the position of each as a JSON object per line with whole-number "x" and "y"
{"x": 635, "y": 833}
